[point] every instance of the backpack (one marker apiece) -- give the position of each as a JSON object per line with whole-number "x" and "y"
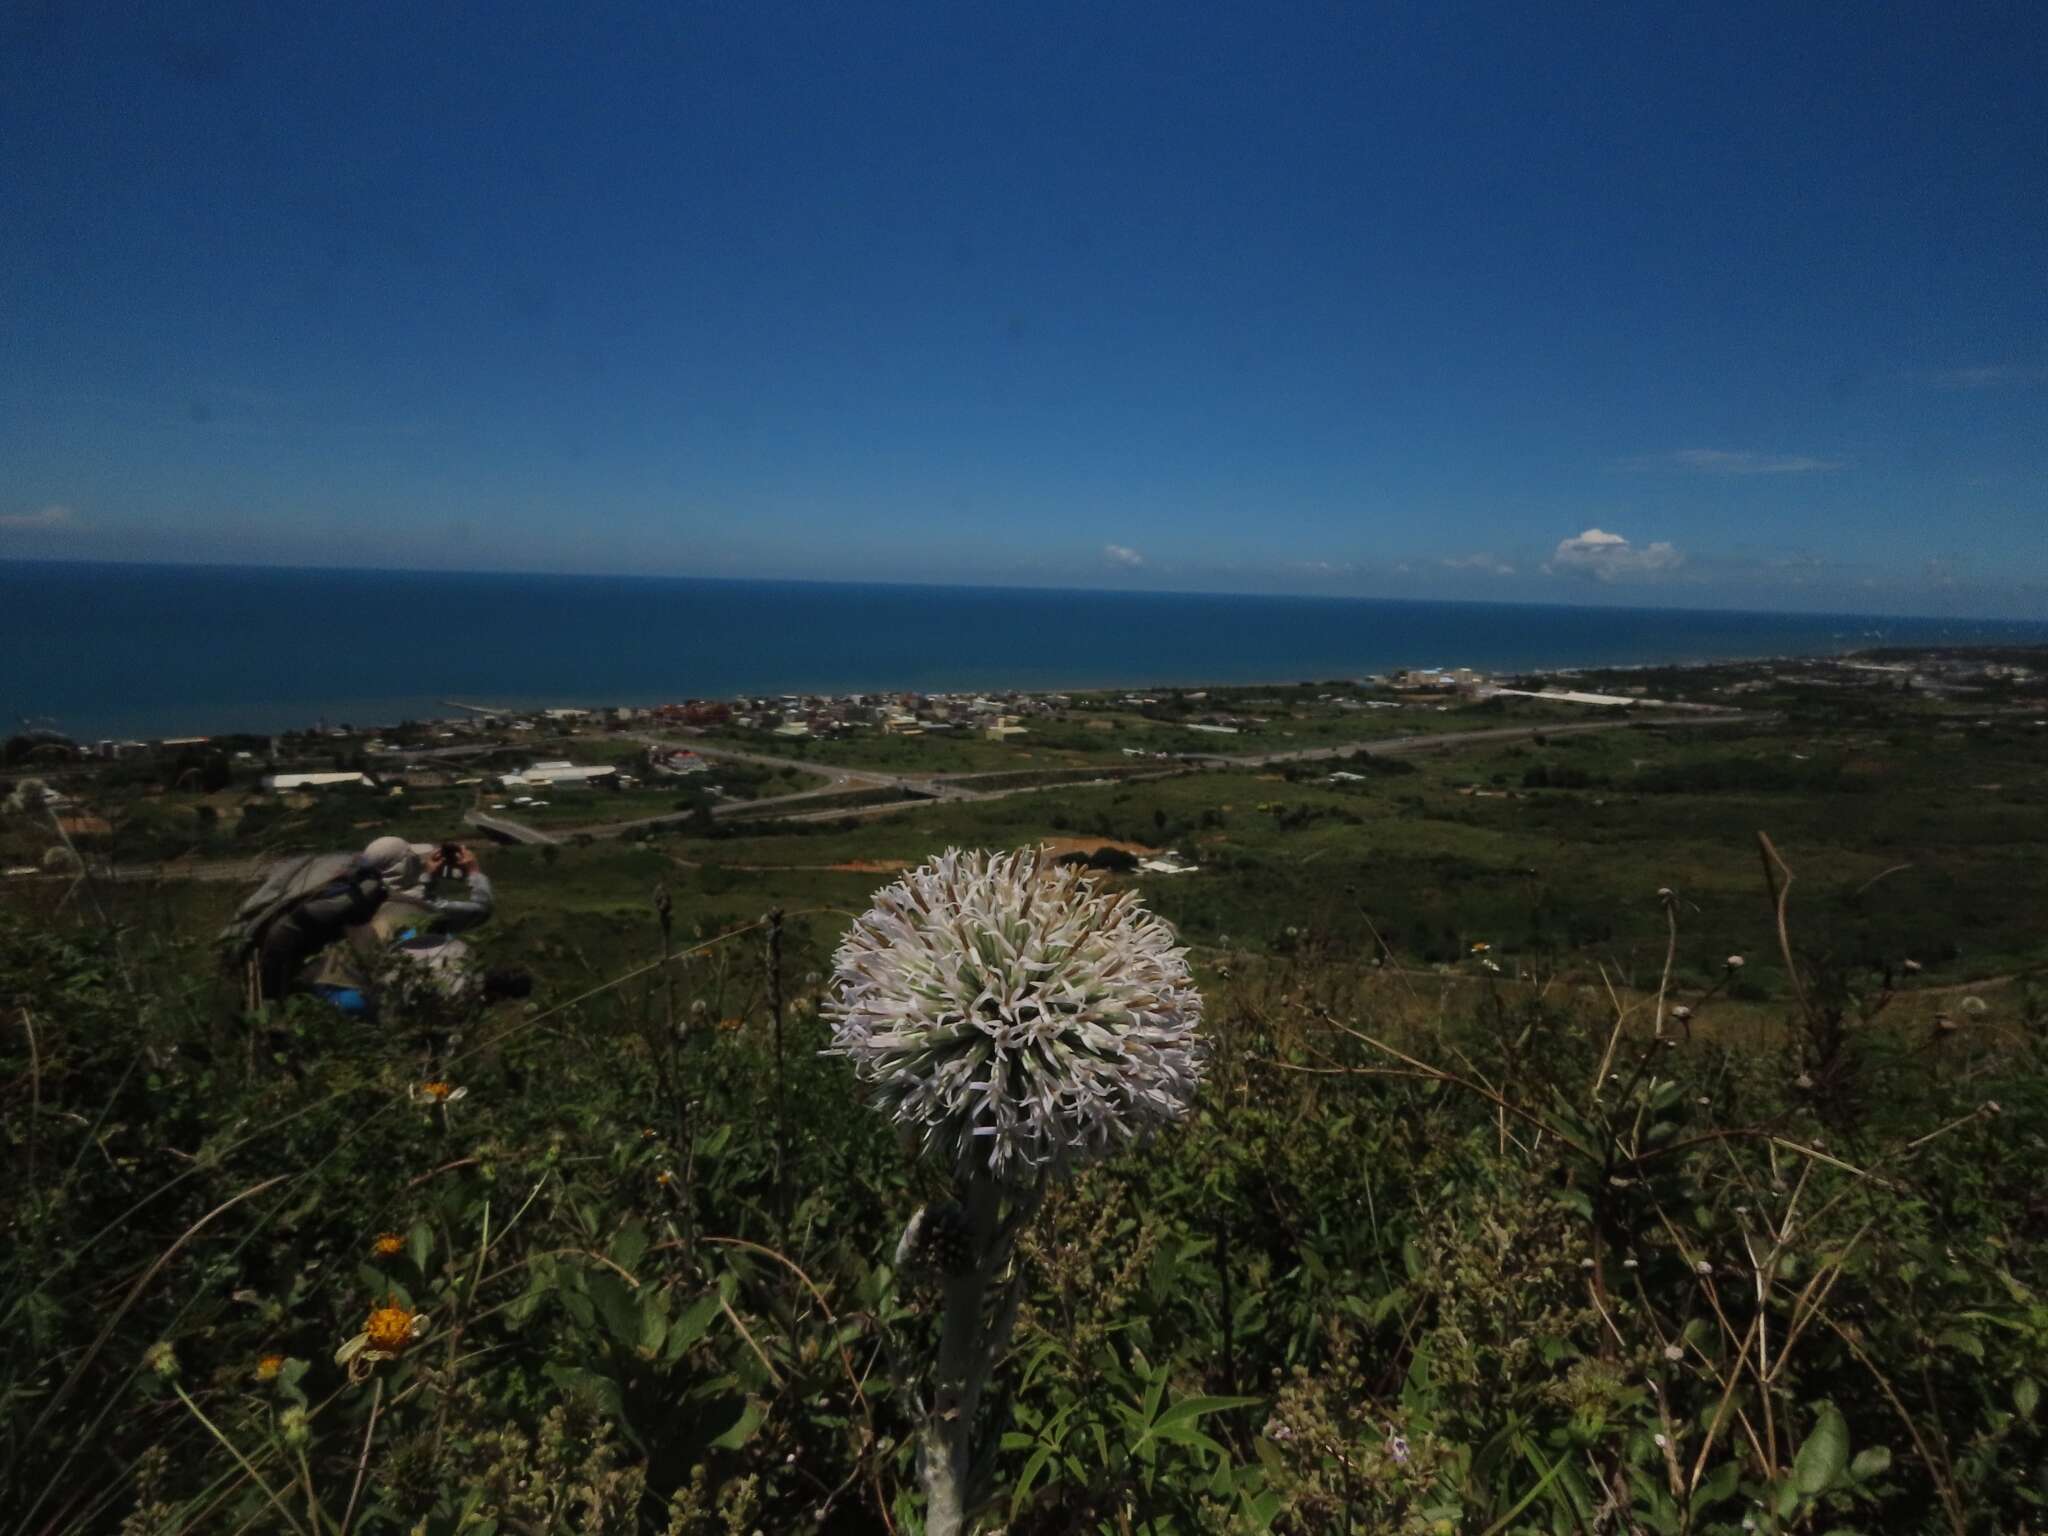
{"x": 329, "y": 892}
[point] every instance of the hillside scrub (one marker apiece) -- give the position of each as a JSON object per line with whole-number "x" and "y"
{"x": 1423, "y": 1258}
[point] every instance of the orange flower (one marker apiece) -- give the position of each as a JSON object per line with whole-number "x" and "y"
{"x": 268, "y": 1367}
{"x": 390, "y": 1327}
{"x": 386, "y": 1333}
{"x": 388, "y": 1245}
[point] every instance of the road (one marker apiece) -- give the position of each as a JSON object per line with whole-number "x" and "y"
{"x": 1431, "y": 741}
{"x": 936, "y": 787}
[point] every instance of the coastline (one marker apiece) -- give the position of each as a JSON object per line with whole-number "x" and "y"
{"x": 147, "y": 651}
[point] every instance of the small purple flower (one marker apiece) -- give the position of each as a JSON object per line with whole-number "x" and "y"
{"x": 1397, "y": 1447}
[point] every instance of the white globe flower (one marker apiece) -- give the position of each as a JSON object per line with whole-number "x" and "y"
{"x": 1017, "y": 1015}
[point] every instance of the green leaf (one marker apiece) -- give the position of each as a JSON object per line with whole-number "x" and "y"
{"x": 743, "y": 1427}
{"x": 1719, "y": 1484}
{"x": 615, "y": 1305}
{"x": 1870, "y": 1462}
{"x": 1961, "y": 1342}
{"x": 629, "y": 1244}
{"x": 1189, "y": 1409}
{"x": 2026, "y": 1396}
{"x": 653, "y": 1329}
{"x": 1826, "y": 1451}
{"x": 1029, "y": 1476}
{"x": 420, "y": 1246}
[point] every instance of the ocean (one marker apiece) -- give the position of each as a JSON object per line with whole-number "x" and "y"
{"x": 138, "y": 650}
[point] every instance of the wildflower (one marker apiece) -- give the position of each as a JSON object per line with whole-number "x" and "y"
{"x": 1480, "y": 949}
{"x": 647, "y": 1133}
{"x": 162, "y": 1359}
{"x": 1681, "y": 1013}
{"x": 1020, "y": 1017}
{"x": 1628, "y": 1264}
{"x": 664, "y": 1178}
{"x": 1277, "y": 1430}
{"x": 1665, "y": 893}
{"x": 387, "y": 1246}
{"x": 268, "y": 1366}
{"x": 1674, "y": 1353}
{"x": 1704, "y": 1267}
{"x": 1659, "y": 1441}
{"x": 1397, "y": 1447}
{"x": 1703, "y": 1099}
{"x": 1735, "y": 962}
{"x": 386, "y": 1333}
{"x": 1803, "y": 1082}
{"x": 435, "y": 1093}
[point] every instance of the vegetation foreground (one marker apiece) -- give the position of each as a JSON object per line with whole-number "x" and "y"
{"x": 1589, "y": 1242}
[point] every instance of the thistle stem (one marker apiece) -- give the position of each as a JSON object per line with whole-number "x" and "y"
{"x": 946, "y": 1439}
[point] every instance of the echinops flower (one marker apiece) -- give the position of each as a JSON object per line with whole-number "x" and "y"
{"x": 1016, "y": 1014}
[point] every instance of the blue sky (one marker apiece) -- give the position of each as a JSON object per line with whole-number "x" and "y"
{"x": 1707, "y": 305}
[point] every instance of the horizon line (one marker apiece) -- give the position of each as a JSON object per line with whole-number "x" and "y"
{"x": 969, "y": 586}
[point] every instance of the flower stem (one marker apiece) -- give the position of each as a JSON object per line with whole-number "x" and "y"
{"x": 946, "y": 1439}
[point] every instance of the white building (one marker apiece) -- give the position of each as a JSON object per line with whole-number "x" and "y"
{"x": 567, "y": 774}
{"x": 285, "y": 782}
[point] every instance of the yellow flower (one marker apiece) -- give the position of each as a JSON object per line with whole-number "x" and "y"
{"x": 388, "y": 1245}
{"x": 664, "y": 1178}
{"x": 728, "y": 1023}
{"x": 268, "y": 1367}
{"x": 436, "y": 1092}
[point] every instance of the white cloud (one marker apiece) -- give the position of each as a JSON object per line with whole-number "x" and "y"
{"x": 1727, "y": 461}
{"x": 52, "y": 516}
{"x": 1492, "y": 564}
{"x": 1118, "y": 554}
{"x": 1609, "y": 557}
{"x": 1324, "y": 567}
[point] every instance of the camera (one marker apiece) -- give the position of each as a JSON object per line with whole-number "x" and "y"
{"x": 451, "y": 861}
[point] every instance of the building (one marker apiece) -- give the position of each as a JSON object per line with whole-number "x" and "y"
{"x": 285, "y": 783}
{"x": 561, "y": 774}
{"x": 674, "y": 762}
{"x": 794, "y": 729}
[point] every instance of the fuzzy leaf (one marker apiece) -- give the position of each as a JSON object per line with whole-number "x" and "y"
{"x": 1819, "y": 1463}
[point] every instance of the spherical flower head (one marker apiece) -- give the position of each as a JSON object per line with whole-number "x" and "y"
{"x": 388, "y": 1245}
{"x": 268, "y": 1366}
{"x": 1020, "y": 1017}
